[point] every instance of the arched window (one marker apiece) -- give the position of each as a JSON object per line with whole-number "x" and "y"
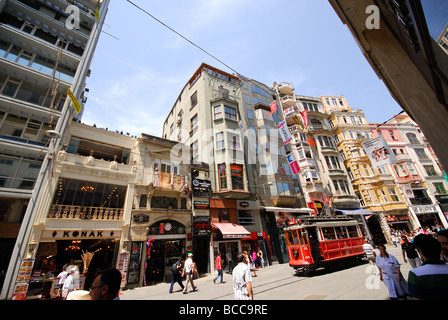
{"x": 412, "y": 138}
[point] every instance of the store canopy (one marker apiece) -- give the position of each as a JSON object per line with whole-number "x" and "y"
{"x": 232, "y": 230}
{"x": 296, "y": 210}
{"x": 354, "y": 212}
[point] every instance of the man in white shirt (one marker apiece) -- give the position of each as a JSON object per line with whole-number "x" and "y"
{"x": 242, "y": 280}
{"x": 69, "y": 284}
{"x": 189, "y": 268}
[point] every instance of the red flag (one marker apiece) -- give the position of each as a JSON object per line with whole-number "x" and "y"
{"x": 273, "y": 107}
{"x": 311, "y": 141}
{"x": 304, "y": 114}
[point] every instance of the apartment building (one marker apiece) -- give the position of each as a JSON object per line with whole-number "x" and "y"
{"x": 418, "y": 173}
{"x": 45, "y": 49}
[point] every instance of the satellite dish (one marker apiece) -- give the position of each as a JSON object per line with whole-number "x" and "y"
{"x": 53, "y": 134}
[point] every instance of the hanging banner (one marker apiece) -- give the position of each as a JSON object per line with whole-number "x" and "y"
{"x": 284, "y": 132}
{"x": 379, "y": 152}
{"x": 293, "y": 164}
{"x": 304, "y": 114}
{"x": 75, "y": 102}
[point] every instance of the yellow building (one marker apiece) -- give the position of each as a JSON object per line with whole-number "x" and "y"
{"x": 376, "y": 189}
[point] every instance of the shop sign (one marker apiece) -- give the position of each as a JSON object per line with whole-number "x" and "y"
{"x": 201, "y": 205}
{"x": 201, "y": 225}
{"x": 201, "y": 188}
{"x": 247, "y": 205}
{"x": 80, "y": 234}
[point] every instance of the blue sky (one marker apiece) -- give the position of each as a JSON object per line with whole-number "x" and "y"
{"x": 136, "y": 80}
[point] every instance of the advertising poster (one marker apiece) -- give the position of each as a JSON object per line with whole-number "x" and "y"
{"x": 379, "y": 152}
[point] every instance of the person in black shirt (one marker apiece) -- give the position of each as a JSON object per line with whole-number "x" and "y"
{"x": 409, "y": 248}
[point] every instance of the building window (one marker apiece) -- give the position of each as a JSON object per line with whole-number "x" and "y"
{"x": 222, "y": 177}
{"x": 421, "y": 154}
{"x": 220, "y": 140}
{"x": 391, "y": 133}
{"x": 393, "y": 195}
{"x": 194, "y": 99}
{"x": 223, "y": 215}
{"x": 233, "y": 141}
{"x": 412, "y": 138}
{"x": 195, "y": 149}
{"x": 194, "y": 124}
{"x": 430, "y": 171}
{"x": 218, "y": 112}
{"x": 440, "y": 188}
{"x": 237, "y": 177}
{"x": 230, "y": 113}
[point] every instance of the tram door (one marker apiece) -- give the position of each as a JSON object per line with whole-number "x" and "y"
{"x": 314, "y": 245}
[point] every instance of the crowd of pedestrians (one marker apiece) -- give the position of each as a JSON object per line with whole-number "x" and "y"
{"x": 426, "y": 251}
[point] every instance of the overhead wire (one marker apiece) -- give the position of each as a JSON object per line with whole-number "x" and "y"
{"x": 182, "y": 36}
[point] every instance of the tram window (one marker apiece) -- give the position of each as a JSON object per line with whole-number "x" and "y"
{"x": 289, "y": 237}
{"x": 303, "y": 236}
{"x": 341, "y": 232}
{"x": 296, "y": 238}
{"x": 352, "y": 231}
{"x": 328, "y": 234}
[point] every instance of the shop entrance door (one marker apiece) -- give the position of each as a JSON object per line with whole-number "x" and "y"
{"x": 163, "y": 254}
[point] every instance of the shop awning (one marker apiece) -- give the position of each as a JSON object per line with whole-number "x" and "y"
{"x": 354, "y": 212}
{"x": 232, "y": 230}
{"x": 296, "y": 210}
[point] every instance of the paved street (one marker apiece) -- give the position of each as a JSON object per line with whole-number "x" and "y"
{"x": 278, "y": 282}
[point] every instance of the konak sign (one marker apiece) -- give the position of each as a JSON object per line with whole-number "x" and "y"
{"x": 80, "y": 234}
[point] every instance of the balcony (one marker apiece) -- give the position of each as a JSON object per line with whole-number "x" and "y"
{"x": 286, "y": 88}
{"x": 288, "y": 101}
{"x": 85, "y": 213}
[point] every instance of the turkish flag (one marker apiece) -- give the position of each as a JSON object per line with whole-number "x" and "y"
{"x": 273, "y": 107}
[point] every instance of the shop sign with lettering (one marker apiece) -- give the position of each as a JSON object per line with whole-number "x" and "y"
{"x": 80, "y": 234}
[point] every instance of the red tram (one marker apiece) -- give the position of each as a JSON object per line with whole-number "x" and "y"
{"x": 320, "y": 242}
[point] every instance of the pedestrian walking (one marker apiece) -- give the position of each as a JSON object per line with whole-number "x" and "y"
{"x": 254, "y": 259}
{"x": 430, "y": 281}
{"x": 218, "y": 265}
{"x": 69, "y": 284}
{"x": 176, "y": 270}
{"x": 62, "y": 276}
{"x": 260, "y": 258}
{"x": 408, "y": 249}
{"x": 370, "y": 252}
{"x": 390, "y": 274}
{"x": 229, "y": 260}
{"x": 242, "y": 279}
{"x": 106, "y": 285}
{"x": 189, "y": 269}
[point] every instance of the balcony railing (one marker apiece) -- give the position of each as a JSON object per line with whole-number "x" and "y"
{"x": 85, "y": 213}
